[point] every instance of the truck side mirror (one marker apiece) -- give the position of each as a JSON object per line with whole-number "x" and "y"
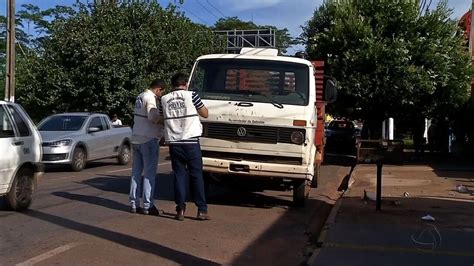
{"x": 330, "y": 91}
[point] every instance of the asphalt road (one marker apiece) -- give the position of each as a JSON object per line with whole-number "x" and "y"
{"x": 82, "y": 218}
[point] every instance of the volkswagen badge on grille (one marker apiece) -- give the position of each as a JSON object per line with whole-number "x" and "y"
{"x": 241, "y": 131}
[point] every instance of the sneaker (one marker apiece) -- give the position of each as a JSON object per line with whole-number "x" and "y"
{"x": 153, "y": 211}
{"x": 203, "y": 216}
{"x": 180, "y": 215}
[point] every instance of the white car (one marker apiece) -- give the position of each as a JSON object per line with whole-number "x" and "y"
{"x": 20, "y": 162}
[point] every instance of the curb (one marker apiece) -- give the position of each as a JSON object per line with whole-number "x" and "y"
{"x": 330, "y": 221}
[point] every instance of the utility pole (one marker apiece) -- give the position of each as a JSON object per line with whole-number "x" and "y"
{"x": 471, "y": 51}
{"x": 10, "y": 64}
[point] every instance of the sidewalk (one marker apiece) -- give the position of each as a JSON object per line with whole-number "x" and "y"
{"x": 357, "y": 234}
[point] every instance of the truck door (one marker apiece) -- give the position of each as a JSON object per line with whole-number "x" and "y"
{"x": 97, "y": 141}
{"x": 111, "y": 146}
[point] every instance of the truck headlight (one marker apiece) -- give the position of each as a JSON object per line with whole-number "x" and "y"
{"x": 60, "y": 143}
{"x": 297, "y": 137}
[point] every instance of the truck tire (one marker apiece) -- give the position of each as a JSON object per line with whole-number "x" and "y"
{"x": 317, "y": 175}
{"x": 22, "y": 191}
{"x": 124, "y": 154}
{"x": 300, "y": 193}
{"x": 79, "y": 159}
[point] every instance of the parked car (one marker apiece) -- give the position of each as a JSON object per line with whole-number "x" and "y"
{"x": 341, "y": 135}
{"x": 20, "y": 163}
{"x": 77, "y": 138}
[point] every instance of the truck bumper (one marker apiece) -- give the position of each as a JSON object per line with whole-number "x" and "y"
{"x": 257, "y": 169}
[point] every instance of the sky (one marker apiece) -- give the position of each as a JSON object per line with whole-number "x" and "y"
{"x": 290, "y": 14}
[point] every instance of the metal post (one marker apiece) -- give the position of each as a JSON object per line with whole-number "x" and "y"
{"x": 378, "y": 199}
{"x": 10, "y": 64}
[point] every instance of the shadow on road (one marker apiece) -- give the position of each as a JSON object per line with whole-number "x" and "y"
{"x": 220, "y": 195}
{"x": 55, "y": 168}
{"x": 285, "y": 241}
{"x": 122, "y": 239}
{"x": 107, "y": 203}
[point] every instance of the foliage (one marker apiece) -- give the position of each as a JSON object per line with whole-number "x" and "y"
{"x": 392, "y": 58}
{"x": 283, "y": 38}
{"x": 98, "y": 58}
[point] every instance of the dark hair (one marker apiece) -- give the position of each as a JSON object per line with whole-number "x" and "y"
{"x": 157, "y": 83}
{"x": 179, "y": 79}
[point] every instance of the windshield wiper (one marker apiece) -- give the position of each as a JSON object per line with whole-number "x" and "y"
{"x": 275, "y": 103}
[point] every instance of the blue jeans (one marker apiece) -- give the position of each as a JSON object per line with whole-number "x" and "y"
{"x": 145, "y": 160}
{"x": 188, "y": 156}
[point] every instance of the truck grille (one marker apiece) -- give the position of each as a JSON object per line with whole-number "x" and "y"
{"x": 251, "y": 133}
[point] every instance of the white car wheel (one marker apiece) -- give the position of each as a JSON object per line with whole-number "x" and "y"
{"x": 22, "y": 190}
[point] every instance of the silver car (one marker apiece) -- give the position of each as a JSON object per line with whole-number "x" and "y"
{"x": 76, "y": 138}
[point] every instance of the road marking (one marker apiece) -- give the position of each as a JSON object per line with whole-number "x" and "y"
{"x": 48, "y": 254}
{"x": 128, "y": 169}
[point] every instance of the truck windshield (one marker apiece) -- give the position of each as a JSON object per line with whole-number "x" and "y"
{"x": 62, "y": 123}
{"x": 252, "y": 81}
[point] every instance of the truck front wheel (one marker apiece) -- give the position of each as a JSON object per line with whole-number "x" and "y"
{"x": 300, "y": 192}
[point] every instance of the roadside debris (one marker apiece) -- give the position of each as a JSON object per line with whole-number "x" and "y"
{"x": 461, "y": 189}
{"x": 406, "y": 194}
{"x": 428, "y": 218}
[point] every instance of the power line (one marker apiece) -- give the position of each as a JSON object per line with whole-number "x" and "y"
{"x": 213, "y": 6}
{"x": 210, "y": 12}
{"x": 196, "y": 16}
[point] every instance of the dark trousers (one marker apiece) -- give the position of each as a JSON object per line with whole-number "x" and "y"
{"x": 184, "y": 158}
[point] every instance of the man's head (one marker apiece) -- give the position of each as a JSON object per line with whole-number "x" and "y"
{"x": 179, "y": 80}
{"x": 114, "y": 117}
{"x": 157, "y": 86}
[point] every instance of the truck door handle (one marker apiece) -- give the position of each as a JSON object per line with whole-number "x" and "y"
{"x": 18, "y": 143}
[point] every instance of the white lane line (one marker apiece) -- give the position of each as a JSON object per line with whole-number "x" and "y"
{"x": 48, "y": 254}
{"x": 128, "y": 169}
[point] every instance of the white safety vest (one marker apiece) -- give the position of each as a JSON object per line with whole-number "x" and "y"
{"x": 181, "y": 117}
{"x": 144, "y": 129}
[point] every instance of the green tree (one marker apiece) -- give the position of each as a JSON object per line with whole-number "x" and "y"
{"x": 99, "y": 57}
{"x": 283, "y": 38}
{"x": 392, "y": 58}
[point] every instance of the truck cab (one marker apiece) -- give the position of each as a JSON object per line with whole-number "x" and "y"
{"x": 263, "y": 118}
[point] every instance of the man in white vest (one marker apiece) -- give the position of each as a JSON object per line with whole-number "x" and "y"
{"x": 181, "y": 110}
{"x": 146, "y": 133}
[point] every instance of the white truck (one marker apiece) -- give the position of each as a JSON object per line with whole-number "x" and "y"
{"x": 266, "y": 118}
